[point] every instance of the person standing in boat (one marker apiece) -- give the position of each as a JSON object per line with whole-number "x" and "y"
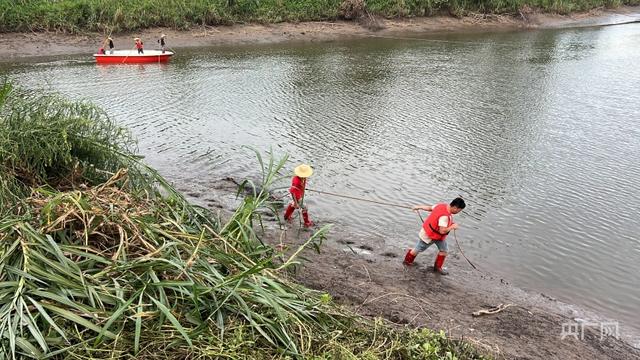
{"x": 139, "y": 45}
{"x": 435, "y": 230}
{"x": 298, "y": 185}
{"x": 110, "y": 40}
{"x": 162, "y": 43}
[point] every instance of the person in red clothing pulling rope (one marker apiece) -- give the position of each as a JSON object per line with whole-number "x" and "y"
{"x": 435, "y": 230}
{"x": 298, "y": 185}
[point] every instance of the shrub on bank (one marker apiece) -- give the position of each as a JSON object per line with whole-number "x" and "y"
{"x": 129, "y": 15}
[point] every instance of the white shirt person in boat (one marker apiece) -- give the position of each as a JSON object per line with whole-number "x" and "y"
{"x": 110, "y": 40}
{"x": 107, "y": 42}
{"x": 162, "y": 43}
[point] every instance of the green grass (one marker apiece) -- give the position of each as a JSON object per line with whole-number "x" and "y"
{"x": 101, "y": 258}
{"x": 129, "y": 15}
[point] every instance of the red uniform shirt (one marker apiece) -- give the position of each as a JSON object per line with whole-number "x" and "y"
{"x": 298, "y": 185}
{"x": 431, "y": 226}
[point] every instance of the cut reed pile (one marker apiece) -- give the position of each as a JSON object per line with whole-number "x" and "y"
{"x": 101, "y": 258}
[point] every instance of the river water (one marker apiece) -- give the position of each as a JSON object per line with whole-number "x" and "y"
{"x": 538, "y": 130}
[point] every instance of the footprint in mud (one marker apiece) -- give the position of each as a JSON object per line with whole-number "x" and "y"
{"x": 365, "y": 247}
{"x": 398, "y": 319}
{"x": 389, "y": 254}
{"x": 270, "y": 217}
{"x": 213, "y": 203}
{"x": 347, "y": 242}
{"x": 547, "y": 296}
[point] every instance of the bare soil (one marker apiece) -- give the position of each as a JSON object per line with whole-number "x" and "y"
{"x": 22, "y": 45}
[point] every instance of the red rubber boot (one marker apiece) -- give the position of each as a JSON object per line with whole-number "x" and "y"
{"x": 437, "y": 266}
{"x": 307, "y": 223}
{"x": 289, "y": 212}
{"x": 408, "y": 259}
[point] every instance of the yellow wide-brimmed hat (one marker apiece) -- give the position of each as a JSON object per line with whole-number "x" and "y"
{"x": 136, "y": 38}
{"x": 303, "y": 171}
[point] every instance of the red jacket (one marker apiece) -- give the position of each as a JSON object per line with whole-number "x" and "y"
{"x": 430, "y": 225}
{"x": 297, "y": 188}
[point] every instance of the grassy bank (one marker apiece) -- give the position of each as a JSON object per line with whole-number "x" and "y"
{"x": 101, "y": 258}
{"x": 128, "y": 15}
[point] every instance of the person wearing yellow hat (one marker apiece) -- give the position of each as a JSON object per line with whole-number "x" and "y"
{"x": 298, "y": 185}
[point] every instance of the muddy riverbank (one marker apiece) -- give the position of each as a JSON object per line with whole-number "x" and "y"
{"x": 367, "y": 275}
{"x": 22, "y": 45}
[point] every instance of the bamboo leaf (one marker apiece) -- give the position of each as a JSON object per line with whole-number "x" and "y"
{"x": 173, "y": 320}
{"x": 115, "y": 316}
{"x": 27, "y": 348}
{"x": 32, "y": 327}
{"x": 79, "y": 320}
{"x": 46, "y": 316}
{"x": 78, "y": 251}
{"x": 136, "y": 341}
{"x": 20, "y": 273}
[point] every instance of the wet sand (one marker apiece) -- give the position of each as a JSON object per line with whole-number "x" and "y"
{"x": 14, "y": 46}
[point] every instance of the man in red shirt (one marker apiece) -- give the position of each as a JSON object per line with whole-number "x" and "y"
{"x": 435, "y": 230}
{"x": 298, "y": 185}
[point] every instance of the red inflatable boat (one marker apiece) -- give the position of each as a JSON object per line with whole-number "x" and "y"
{"x": 132, "y": 57}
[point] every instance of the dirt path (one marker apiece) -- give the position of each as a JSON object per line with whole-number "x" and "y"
{"x": 23, "y": 45}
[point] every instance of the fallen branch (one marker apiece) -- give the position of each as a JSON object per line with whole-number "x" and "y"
{"x": 493, "y": 310}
